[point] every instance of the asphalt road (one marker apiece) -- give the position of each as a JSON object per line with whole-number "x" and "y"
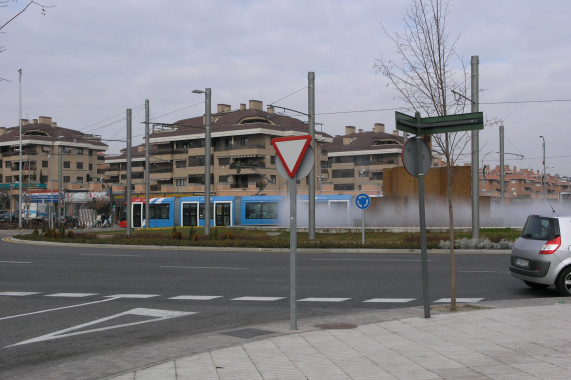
{"x": 63, "y": 303}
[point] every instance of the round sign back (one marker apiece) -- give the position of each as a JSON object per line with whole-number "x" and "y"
{"x": 410, "y": 154}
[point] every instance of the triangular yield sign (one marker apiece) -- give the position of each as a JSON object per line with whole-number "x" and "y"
{"x": 291, "y": 151}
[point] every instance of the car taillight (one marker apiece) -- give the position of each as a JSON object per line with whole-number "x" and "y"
{"x": 551, "y": 246}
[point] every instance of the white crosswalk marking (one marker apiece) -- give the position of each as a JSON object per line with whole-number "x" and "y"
{"x": 390, "y": 300}
{"x": 132, "y": 296}
{"x": 324, "y": 299}
{"x": 195, "y": 298}
{"x": 257, "y": 298}
{"x": 71, "y": 295}
{"x": 18, "y": 294}
{"x": 465, "y": 300}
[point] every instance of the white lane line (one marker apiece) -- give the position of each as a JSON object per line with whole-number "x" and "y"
{"x": 71, "y": 295}
{"x": 379, "y": 260}
{"x": 56, "y": 309}
{"x": 132, "y": 296}
{"x": 156, "y": 315}
{"x": 390, "y": 300}
{"x": 257, "y": 298}
{"x": 195, "y": 298}
{"x": 183, "y": 267}
{"x": 18, "y": 294}
{"x": 316, "y": 299}
{"x": 107, "y": 254}
{"x": 15, "y": 262}
{"x": 448, "y": 300}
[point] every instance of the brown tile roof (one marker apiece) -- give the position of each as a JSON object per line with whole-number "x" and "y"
{"x": 47, "y": 133}
{"x": 364, "y": 141}
{"x": 236, "y": 121}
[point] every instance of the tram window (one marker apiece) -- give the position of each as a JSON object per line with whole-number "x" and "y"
{"x": 160, "y": 211}
{"x": 265, "y": 210}
{"x": 201, "y": 211}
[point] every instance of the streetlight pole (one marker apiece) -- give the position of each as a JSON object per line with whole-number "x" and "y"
{"x": 475, "y": 150}
{"x": 51, "y": 204}
{"x": 543, "y": 178}
{"x": 207, "y": 142}
{"x": 20, "y": 187}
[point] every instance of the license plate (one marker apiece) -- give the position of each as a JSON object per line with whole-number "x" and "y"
{"x": 522, "y": 263}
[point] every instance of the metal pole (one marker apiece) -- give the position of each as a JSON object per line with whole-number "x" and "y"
{"x": 59, "y": 185}
{"x": 543, "y": 178}
{"x": 207, "y": 163}
{"x": 20, "y": 187}
{"x": 51, "y": 204}
{"x": 312, "y": 174}
{"x": 475, "y": 152}
{"x": 422, "y": 217}
{"x": 502, "y": 168}
{"x": 292, "y": 189}
{"x": 147, "y": 166}
{"x": 128, "y": 169}
{"x": 363, "y": 227}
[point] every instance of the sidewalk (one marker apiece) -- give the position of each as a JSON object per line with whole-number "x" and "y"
{"x": 507, "y": 340}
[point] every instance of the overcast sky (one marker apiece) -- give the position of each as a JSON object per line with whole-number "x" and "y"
{"x": 85, "y": 62}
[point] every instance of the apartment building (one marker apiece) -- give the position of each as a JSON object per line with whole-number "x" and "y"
{"x": 356, "y": 160}
{"x": 51, "y": 155}
{"x": 522, "y": 184}
{"x": 242, "y": 157}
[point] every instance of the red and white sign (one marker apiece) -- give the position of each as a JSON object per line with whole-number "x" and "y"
{"x": 291, "y": 151}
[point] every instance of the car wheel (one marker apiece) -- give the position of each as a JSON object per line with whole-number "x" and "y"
{"x": 563, "y": 283}
{"x": 535, "y": 285}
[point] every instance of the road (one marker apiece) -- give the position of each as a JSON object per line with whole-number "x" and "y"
{"x": 62, "y": 303}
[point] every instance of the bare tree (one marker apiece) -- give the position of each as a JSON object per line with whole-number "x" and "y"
{"x": 427, "y": 70}
{"x": 4, "y": 3}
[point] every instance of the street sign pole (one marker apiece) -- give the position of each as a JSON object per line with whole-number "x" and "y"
{"x": 296, "y": 160}
{"x": 422, "y": 217}
{"x": 363, "y": 227}
{"x": 292, "y": 189}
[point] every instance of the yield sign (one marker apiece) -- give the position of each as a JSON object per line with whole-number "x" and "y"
{"x": 291, "y": 150}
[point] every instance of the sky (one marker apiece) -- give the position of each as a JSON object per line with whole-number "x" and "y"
{"x": 84, "y": 63}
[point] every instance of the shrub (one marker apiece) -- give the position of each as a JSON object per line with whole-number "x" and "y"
{"x": 70, "y": 234}
{"x": 35, "y": 232}
{"x": 195, "y": 237}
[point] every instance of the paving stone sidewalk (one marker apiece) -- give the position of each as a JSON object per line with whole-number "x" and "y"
{"x": 518, "y": 342}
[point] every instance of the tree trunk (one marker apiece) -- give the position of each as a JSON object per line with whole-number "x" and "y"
{"x": 451, "y": 223}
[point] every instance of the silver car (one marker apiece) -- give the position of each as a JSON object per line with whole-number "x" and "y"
{"x": 541, "y": 256}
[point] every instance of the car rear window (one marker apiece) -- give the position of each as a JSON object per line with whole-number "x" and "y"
{"x": 540, "y": 228}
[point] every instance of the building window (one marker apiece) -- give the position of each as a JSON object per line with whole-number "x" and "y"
{"x": 273, "y": 179}
{"x": 196, "y": 161}
{"x": 8, "y": 179}
{"x": 79, "y": 179}
{"x": 223, "y": 161}
{"x": 273, "y": 160}
{"x": 8, "y": 164}
{"x": 90, "y": 166}
{"x": 343, "y": 186}
{"x": 66, "y": 179}
{"x": 244, "y": 141}
{"x": 79, "y": 151}
{"x": 223, "y": 179}
{"x": 363, "y": 173}
{"x": 343, "y": 173}
{"x": 66, "y": 164}
{"x": 45, "y": 164}
{"x": 180, "y": 181}
{"x": 79, "y": 165}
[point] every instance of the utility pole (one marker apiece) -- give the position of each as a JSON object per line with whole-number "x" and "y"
{"x": 128, "y": 169}
{"x": 20, "y": 187}
{"x": 475, "y": 151}
{"x": 543, "y": 178}
{"x": 502, "y": 168}
{"x": 147, "y": 169}
{"x": 311, "y": 122}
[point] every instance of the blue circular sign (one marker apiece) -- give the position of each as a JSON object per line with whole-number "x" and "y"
{"x": 363, "y": 201}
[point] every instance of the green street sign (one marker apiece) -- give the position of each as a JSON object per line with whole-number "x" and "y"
{"x": 439, "y": 124}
